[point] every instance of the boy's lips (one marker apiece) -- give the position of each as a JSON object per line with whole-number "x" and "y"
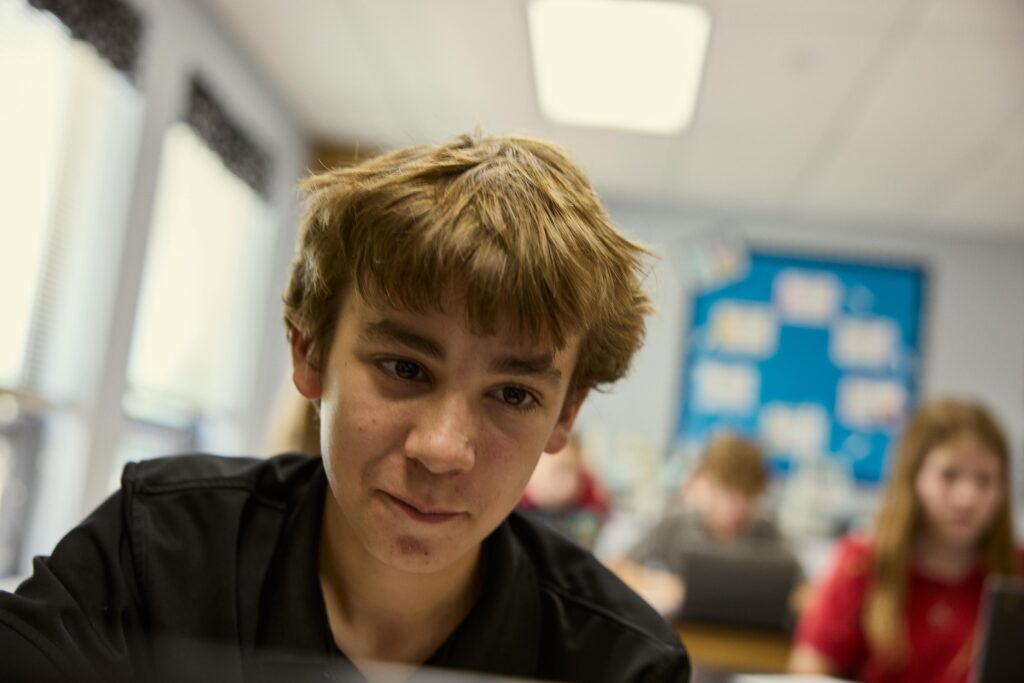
{"x": 420, "y": 511}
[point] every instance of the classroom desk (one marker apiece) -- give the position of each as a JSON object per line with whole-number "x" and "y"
{"x": 735, "y": 649}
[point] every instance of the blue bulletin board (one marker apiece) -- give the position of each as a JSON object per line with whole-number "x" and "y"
{"x": 813, "y": 358}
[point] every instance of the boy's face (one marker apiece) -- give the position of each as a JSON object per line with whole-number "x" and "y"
{"x": 725, "y": 511}
{"x": 429, "y": 432}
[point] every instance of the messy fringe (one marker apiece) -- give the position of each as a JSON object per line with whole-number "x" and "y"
{"x": 514, "y": 227}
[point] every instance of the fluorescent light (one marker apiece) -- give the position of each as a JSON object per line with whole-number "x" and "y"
{"x": 629, "y": 64}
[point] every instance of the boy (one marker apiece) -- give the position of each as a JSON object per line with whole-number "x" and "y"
{"x": 720, "y": 502}
{"x": 448, "y": 311}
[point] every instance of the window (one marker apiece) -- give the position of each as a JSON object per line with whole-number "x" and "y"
{"x": 135, "y": 253}
{"x": 30, "y": 135}
{"x": 69, "y": 133}
{"x": 202, "y": 296}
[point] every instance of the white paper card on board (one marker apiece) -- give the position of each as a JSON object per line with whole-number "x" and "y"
{"x": 805, "y": 297}
{"x": 870, "y": 404}
{"x": 801, "y": 429}
{"x": 726, "y": 387}
{"x": 744, "y": 329}
{"x": 866, "y": 343}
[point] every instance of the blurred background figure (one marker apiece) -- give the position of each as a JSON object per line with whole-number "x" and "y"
{"x": 720, "y": 503}
{"x": 564, "y": 492}
{"x": 902, "y": 603}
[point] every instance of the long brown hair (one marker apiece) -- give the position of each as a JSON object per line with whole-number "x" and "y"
{"x": 900, "y": 518}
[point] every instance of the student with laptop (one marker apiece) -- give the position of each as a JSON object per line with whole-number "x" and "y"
{"x": 901, "y": 605}
{"x": 448, "y": 311}
{"x": 564, "y": 493}
{"x": 719, "y": 537}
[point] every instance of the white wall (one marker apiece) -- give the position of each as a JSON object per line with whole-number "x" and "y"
{"x": 973, "y": 343}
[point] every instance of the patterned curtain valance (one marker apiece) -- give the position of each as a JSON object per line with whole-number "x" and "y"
{"x": 113, "y": 27}
{"x": 242, "y": 156}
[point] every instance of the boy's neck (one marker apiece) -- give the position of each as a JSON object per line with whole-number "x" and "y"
{"x": 377, "y": 612}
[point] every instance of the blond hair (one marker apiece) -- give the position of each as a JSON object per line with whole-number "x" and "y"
{"x": 509, "y": 223}
{"x": 900, "y": 517}
{"x": 736, "y": 463}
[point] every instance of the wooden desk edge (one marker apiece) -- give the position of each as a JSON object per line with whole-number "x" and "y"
{"x": 735, "y": 649}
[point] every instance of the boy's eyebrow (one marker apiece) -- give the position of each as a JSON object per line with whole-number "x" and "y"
{"x": 391, "y": 331}
{"x": 540, "y": 365}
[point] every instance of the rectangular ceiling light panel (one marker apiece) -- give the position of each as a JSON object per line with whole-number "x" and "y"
{"x": 626, "y": 64}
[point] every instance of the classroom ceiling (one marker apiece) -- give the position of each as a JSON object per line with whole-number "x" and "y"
{"x": 893, "y": 114}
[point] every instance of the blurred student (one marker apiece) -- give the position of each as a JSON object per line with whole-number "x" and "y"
{"x": 901, "y": 605}
{"x": 719, "y": 503}
{"x": 449, "y": 309}
{"x": 566, "y": 494}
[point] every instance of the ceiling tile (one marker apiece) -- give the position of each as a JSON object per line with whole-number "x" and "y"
{"x": 980, "y": 21}
{"x": 923, "y": 118}
{"x": 874, "y": 110}
{"x": 452, "y": 66}
{"x": 833, "y": 16}
{"x": 319, "y": 60}
{"x": 769, "y": 97}
{"x": 990, "y": 196}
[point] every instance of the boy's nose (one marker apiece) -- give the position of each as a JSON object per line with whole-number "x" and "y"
{"x": 442, "y": 438}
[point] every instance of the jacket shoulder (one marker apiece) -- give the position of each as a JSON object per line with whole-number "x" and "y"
{"x": 273, "y": 478}
{"x": 589, "y": 599}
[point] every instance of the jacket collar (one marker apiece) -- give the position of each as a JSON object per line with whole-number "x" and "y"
{"x": 499, "y": 635}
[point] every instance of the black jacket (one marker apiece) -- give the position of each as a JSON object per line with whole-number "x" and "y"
{"x": 204, "y": 568}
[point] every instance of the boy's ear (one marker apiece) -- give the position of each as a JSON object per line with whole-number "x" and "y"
{"x": 304, "y": 375}
{"x": 563, "y": 428}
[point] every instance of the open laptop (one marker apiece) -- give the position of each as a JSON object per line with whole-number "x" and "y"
{"x": 1000, "y": 656}
{"x": 743, "y": 585}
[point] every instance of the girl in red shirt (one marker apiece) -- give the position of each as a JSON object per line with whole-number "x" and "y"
{"x": 902, "y": 605}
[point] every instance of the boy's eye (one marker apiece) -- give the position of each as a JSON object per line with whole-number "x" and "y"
{"x": 406, "y": 370}
{"x": 517, "y": 397}
{"x": 403, "y": 369}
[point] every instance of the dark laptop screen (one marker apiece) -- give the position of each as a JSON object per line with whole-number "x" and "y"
{"x": 1001, "y": 649}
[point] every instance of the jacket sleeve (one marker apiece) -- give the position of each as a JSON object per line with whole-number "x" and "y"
{"x": 677, "y": 669}
{"x": 77, "y": 616}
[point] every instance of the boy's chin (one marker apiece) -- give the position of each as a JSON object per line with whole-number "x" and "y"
{"x": 419, "y": 556}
